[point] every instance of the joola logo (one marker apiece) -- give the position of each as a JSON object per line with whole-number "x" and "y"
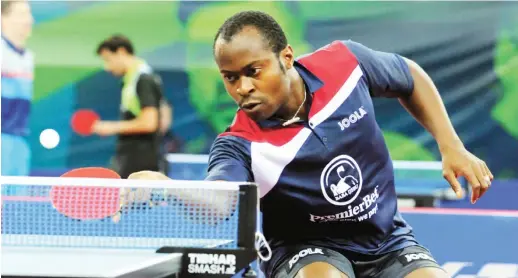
{"x": 351, "y": 119}
{"x": 409, "y": 258}
{"x": 417, "y": 256}
{"x": 304, "y": 253}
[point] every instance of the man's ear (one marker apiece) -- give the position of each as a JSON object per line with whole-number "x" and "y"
{"x": 287, "y": 57}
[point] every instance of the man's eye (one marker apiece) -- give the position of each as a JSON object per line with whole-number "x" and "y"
{"x": 231, "y": 78}
{"x": 253, "y": 72}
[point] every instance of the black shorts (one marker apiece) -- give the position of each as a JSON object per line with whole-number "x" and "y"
{"x": 395, "y": 264}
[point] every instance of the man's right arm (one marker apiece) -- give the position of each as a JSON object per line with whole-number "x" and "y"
{"x": 229, "y": 161}
{"x": 166, "y": 116}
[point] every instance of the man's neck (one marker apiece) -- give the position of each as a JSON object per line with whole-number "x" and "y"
{"x": 296, "y": 99}
{"x": 130, "y": 63}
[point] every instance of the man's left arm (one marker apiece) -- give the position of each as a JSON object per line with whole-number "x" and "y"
{"x": 427, "y": 107}
{"x": 146, "y": 121}
{"x": 390, "y": 75}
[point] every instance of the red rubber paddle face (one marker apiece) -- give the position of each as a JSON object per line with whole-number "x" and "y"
{"x": 83, "y": 121}
{"x": 87, "y": 202}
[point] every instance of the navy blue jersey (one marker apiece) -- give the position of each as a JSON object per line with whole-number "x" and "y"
{"x": 17, "y": 88}
{"x": 330, "y": 177}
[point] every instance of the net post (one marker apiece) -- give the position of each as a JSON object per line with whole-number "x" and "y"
{"x": 248, "y": 197}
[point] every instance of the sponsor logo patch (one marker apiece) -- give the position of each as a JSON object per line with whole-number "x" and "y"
{"x": 413, "y": 257}
{"x": 304, "y": 253}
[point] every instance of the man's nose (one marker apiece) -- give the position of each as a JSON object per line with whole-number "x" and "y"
{"x": 246, "y": 86}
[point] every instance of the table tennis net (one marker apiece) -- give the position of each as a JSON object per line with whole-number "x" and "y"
{"x": 153, "y": 213}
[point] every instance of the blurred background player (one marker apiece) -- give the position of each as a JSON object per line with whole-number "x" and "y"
{"x": 17, "y": 87}
{"x": 145, "y": 114}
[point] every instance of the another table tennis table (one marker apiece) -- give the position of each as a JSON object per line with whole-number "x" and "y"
{"x": 418, "y": 181}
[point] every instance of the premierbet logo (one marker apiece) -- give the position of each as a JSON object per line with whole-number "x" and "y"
{"x": 362, "y": 211}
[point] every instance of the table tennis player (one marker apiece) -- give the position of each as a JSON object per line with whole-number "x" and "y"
{"x": 305, "y": 131}
{"x": 17, "y": 87}
{"x": 140, "y": 129}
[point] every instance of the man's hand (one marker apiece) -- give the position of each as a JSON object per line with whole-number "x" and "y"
{"x": 205, "y": 206}
{"x": 141, "y": 193}
{"x": 105, "y": 128}
{"x": 136, "y": 197}
{"x": 460, "y": 162}
{"x": 148, "y": 175}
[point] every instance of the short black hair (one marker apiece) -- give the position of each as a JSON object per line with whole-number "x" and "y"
{"x": 271, "y": 30}
{"x": 7, "y": 4}
{"x": 114, "y": 42}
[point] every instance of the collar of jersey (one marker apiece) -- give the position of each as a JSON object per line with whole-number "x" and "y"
{"x": 132, "y": 70}
{"x": 20, "y": 51}
{"x": 313, "y": 84}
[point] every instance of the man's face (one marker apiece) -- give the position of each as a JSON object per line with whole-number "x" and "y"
{"x": 254, "y": 76}
{"x": 113, "y": 61}
{"x": 18, "y": 19}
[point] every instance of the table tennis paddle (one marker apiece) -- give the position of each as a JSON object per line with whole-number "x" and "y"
{"x": 87, "y": 202}
{"x": 83, "y": 121}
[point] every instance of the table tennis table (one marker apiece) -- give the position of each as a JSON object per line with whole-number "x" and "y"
{"x": 37, "y": 241}
{"x": 87, "y": 262}
{"x": 34, "y": 261}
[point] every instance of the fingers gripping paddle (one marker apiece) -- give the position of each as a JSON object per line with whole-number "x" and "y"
{"x": 87, "y": 202}
{"x": 83, "y": 121}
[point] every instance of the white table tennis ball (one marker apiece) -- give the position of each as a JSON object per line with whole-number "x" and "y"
{"x": 49, "y": 138}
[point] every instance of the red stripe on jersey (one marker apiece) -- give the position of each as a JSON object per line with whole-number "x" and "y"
{"x": 334, "y": 64}
{"x": 23, "y": 75}
{"x": 248, "y": 129}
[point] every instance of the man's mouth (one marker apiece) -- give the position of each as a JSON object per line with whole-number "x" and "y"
{"x": 251, "y": 106}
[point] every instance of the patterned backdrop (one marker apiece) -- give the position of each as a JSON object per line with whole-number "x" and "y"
{"x": 469, "y": 49}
